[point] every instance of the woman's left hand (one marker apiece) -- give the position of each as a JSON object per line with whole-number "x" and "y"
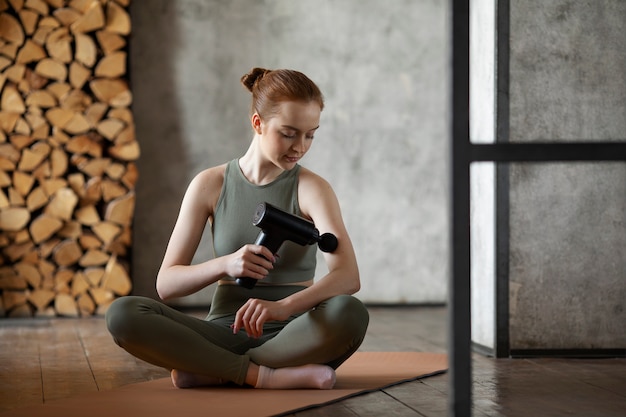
{"x": 254, "y": 313}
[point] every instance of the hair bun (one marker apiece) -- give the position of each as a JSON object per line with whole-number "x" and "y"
{"x": 251, "y": 78}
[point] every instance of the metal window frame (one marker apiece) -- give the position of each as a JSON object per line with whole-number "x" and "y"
{"x": 462, "y": 154}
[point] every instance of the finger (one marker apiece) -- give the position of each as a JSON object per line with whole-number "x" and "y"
{"x": 264, "y": 252}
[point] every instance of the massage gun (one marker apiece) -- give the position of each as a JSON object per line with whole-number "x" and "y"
{"x": 277, "y": 226}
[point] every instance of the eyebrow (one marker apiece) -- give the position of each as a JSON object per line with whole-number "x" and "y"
{"x": 297, "y": 130}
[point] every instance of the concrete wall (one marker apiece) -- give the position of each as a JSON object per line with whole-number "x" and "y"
{"x": 383, "y": 138}
{"x": 567, "y": 222}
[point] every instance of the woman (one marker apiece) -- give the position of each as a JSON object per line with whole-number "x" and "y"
{"x": 288, "y": 331}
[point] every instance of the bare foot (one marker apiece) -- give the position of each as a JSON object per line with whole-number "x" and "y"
{"x": 297, "y": 377}
{"x": 182, "y": 379}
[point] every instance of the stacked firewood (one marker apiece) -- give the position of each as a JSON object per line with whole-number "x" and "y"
{"x": 67, "y": 156}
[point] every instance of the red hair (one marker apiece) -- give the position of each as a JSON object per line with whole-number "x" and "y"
{"x": 271, "y": 87}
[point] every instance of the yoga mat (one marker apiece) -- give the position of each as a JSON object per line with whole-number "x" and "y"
{"x": 363, "y": 372}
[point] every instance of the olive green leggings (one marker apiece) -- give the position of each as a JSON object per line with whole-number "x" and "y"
{"x": 328, "y": 334}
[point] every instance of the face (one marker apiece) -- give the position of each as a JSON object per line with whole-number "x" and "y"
{"x": 287, "y": 136}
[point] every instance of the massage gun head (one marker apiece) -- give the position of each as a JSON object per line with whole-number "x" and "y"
{"x": 287, "y": 226}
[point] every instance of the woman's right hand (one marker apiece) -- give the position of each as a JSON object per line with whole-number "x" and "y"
{"x": 251, "y": 261}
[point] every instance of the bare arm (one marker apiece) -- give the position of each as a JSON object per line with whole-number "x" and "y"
{"x": 319, "y": 203}
{"x": 177, "y": 277}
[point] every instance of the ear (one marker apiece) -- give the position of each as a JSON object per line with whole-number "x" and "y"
{"x": 256, "y": 123}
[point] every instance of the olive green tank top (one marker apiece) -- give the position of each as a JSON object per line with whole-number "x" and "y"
{"x": 232, "y": 222}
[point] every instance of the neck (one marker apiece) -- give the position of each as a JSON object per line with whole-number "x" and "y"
{"x": 256, "y": 168}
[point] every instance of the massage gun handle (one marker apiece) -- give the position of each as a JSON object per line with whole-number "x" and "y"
{"x": 263, "y": 239}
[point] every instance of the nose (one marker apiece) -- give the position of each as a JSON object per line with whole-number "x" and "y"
{"x": 299, "y": 144}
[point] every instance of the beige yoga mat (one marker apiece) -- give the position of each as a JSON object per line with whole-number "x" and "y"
{"x": 363, "y": 372}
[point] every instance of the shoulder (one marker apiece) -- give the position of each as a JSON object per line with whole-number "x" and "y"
{"x": 207, "y": 185}
{"x": 313, "y": 190}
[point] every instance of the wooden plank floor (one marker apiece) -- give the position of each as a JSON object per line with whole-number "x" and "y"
{"x": 46, "y": 359}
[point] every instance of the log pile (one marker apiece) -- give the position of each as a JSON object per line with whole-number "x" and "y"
{"x": 67, "y": 156}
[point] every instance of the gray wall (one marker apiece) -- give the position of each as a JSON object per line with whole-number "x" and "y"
{"x": 383, "y": 138}
{"x": 568, "y": 222}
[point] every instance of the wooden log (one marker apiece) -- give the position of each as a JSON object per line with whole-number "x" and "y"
{"x": 87, "y": 215}
{"x": 15, "y": 199}
{"x": 106, "y": 231}
{"x": 28, "y": 272}
{"x": 59, "y": 89}
{"x": 30, "y": 52}
{"x": 78, "y": 75}
{"x": 94, "y": 276}
{"x": 59, "y": 45}
{"x": 126, "y": 151}
{"x": 110, "y": 42}
{"x": 112, "y": 65}
{"x": 94, "y": 167}
{"x": 39, "y": 6}
{"x": 130, "y": 176}
{"x": 115, "y": 171}
{"x": 12, "y": 101}
{"x": 8, "y": 151}
{"x": 71, "y": 230}
{"x": 88, "y": 240}
{"x": 93, "y": 257}
{"x": 114, "y": 92}
{"x": 4, "y": 201}
{"x": 44, "y": 226}
{"x": 65, "y": 305}
{"x": 80, "y": 285}
{"x": 59, "y": 117}
{"x": 41, "y": 298}
{"x": 51, "y": 69}
{"x": 10, "y": 280}
{"x": 36, "y": 199}
{"x": 83, "y": 144}
{"x": 67, "y": 253}
{"x": 101, "y": 296}
{"x": 30, "y": 160}
{"x": 112, "y": 190}
{"x": 29, "y": 20}
{"x": 22, "y": 182}
{"x": 56, "y": 3}
{"x": 127, "y": 135}
{"x": 66, "y": 15}
{"x": 46, "y": 268}
{"x": 62, "y": 204}
{"x": 120, "y": 210}
{"x": 117, "y": 19}
{"x": 85, "y": 50}
{"x": 52, "y": 185}
{"x": 86, "y": 306}
{"x": 15, "y": 73}
{"x": 76, "y": 100}
{"x": 12, "y": 299}
{"x": 14, "y": 218}
{"x": 95, "y": 113}
{"x": 110, "y": 128}
{"x": 92, "y": 19}
{"x": 116, "y": 278}
{"x": 21, "y": 141}
{"x": 78, "y": 124}
{"x": 58, "y": 162}
{"x": 93, "y": 191}
{"x": 8, "y": 120}
{"x": 41, "y": 99}
{"x": 62, "y": 279}
{"x": 16, "y": 252}
{"x": 11, "y": 29}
